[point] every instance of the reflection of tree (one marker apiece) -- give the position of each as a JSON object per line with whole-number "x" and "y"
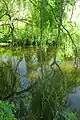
{"x": 8, "y": 79}
{"x": 31, "y": 55}
{"x": 31, "y": 61}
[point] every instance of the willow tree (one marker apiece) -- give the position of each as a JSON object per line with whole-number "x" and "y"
{"x": 42, "y": 22}
{"x": 12, "y": 13}
{"x": 55, "y": 27}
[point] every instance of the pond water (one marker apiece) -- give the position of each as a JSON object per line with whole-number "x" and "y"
{"x": 25, "y": 61}
{"x": 74, "y": 99}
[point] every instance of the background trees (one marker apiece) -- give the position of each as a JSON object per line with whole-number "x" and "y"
{"x": 40, "y": 22}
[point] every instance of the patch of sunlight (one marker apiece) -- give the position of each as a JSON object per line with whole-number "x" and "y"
{"x": 76, "y": 13}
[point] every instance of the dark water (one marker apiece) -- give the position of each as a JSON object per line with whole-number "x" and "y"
{"x": 25, "y": 62}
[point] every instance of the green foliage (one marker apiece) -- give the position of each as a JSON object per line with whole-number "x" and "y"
{"x": 48, "y": 98}
{"x": 6, "y": 111}
{"x": 20, "y": 34}
{"x": 26, "y": 17}
{"x": 7, "y": 81}
{"x": 70, "y": 116}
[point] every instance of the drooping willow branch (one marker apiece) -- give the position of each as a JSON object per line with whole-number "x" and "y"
{"x": 62, "y": 26}
{"x": 40, "y": 9}
{"x": 72, "y": 43}
{"x": 11, "y": 25}
{"x": 41, "y": 34}
{"x": 59, "y": 21}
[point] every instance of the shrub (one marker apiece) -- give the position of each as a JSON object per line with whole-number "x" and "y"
{"x": 6, "y": 111}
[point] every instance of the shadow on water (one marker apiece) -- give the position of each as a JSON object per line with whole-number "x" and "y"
{"x": 20, "y": 66}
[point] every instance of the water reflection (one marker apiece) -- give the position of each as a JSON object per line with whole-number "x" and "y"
{"x": 22, "y": 70}
{"x": 23, "y": 63}
{"x": 74, "y": 99}
{"x": 7, "y": 79}
{"x": 18, "y": 66}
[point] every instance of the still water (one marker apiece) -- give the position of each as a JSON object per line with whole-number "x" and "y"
{"x": 25, "y": 62}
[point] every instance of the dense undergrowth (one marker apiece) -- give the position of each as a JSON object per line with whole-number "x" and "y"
{"x": 7, "y": 111}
